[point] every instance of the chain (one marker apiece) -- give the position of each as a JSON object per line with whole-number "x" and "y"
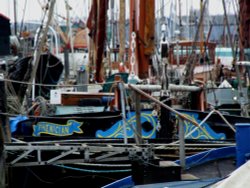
{"x": 132, "y": 58}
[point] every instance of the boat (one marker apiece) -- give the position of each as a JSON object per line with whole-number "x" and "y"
{"x": 224, "y": 167}
{"x": 110, "y": 117}
{"x": 217, "y": 161}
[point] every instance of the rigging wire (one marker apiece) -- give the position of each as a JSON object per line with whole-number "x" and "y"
{"x": 24, "y": 11}
{"x": 162, "y": 7}
{"x": 60, "y": 86}
{"x": 64, "y": 117}
{"x": 66, "y": 177}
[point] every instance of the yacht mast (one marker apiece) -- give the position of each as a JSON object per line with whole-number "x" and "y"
{"x": 180, "y": 21}
{"x": 202, "y": 29}
{"x": 39, "y": 47}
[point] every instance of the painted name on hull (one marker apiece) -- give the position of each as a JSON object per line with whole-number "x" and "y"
{"x": 68, "y": 129}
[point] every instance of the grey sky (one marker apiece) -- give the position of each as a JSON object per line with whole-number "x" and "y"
{"x": 79, "y": 7}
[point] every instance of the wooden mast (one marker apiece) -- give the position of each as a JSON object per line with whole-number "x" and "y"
{"x": 142, "y": 22}
{"x": 97, "y": 25}
{"x": 122, "y": 31}
{"x": 244, "y": 34}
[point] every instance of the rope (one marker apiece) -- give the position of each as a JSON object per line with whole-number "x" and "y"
{"x": 65, "y": 85}
{"x": 72, "y": 117}
{"x": 93, "y": 171}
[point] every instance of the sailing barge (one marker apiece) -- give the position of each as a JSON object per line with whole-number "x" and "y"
{"x": 102, "y": 116}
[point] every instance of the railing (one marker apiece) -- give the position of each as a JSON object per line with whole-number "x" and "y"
{"x": 182, "y": 118}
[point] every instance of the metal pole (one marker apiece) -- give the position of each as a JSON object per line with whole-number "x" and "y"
{"x": 15, "y": 18}
{"x": 178, "y": 53}
{"x": 66, "y": 64}
{"x": 112, "y": 24}
{"x": 121, "y": 87}
{"x": 138, "y": 117}
{"x": 201, "y": 28}
{"x": 182, "y": 144}
{"x": 180, "y": 21}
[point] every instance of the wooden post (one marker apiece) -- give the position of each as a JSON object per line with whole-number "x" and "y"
{"x": 3, "y": 109}
{"x": 138, "y": 117}
{"x": 167, "y": 126}
{"x": 182, "y": 144}
{"x": 5, "y": 135}
{"x": 117, "y": 92}
{"x": 82, "y": 79}
{"x": 2, "y": 158}
{"x": 66, "y": 64}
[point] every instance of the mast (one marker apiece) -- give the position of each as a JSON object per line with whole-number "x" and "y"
{"x": 122, "y": 31}
{"x": 201, "y": 29}
{"x": 66, "y": 48}
{"x": 244, "y": 110}
{"x": 15, "y": 18}
{"x": 38, "y": 50}
{"x": 244, "y": 35}
{"x": 97, "y": 25}
{"x": 142, "y": 22}
{"x": 180, "y": 20}
{"x": 112, "y": 25}
{"x": 175, "y": 17}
